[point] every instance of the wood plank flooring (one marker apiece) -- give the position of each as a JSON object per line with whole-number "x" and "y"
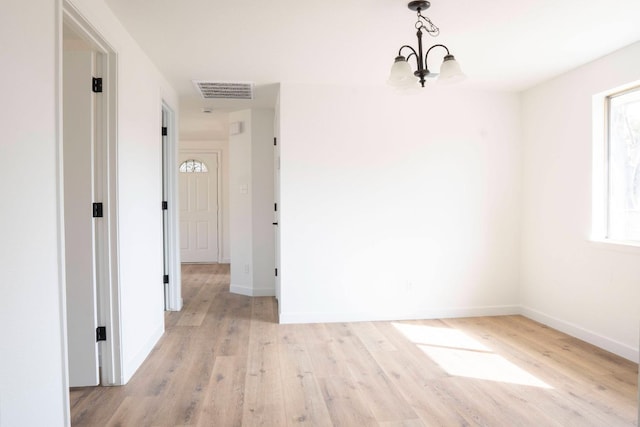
{"x": 224, "y": 361}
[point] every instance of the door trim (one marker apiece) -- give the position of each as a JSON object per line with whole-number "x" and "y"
{"x": 59, "y": 148}
{"x": 107, "y": 273}
{"x": 170, "y": 182}
{"x": 218, "y": 153}
{"x": 276, "y": 199}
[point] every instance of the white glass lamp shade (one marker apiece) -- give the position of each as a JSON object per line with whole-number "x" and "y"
{"x": 401, "y": 75}
{"x": 450, "y": 71}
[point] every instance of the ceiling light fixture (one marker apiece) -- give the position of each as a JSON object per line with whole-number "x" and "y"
{"x": 401, "y": 74}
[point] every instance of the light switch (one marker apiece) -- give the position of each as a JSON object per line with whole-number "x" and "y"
{"x": 235, "y": 128}
{"x": 244, "y": 189}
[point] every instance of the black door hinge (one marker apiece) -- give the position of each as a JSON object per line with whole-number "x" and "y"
{"x": 275, "y": 141}
{"x": 164, "y": 131}
{"x": 101, "y": 333}
{"x": 276, "y": 272}
{"x": 96, "y": 84}
{"x": 275, "y": 207}
{"x": 165, "y": 205}
{"x": 97, "y": 210}
{"x": 165, "y": 279}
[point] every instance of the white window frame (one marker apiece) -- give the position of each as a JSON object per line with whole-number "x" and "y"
{"x": 600, "y": 173}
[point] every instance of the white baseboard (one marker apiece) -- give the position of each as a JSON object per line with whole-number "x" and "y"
{"x": 579, "y": 332}
{"x": 568, "y": 328}
{"x": 131, "y": 366}
{"x": 435, "y": 313}
{"x": 252, "y": 292}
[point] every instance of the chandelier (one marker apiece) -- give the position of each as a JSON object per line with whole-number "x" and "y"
{"x": 401, "y": 74}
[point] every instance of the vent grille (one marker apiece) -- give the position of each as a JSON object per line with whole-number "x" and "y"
{"x": 224, "y": 90}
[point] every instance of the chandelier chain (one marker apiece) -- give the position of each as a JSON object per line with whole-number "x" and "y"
{"x": 424, "y": 23}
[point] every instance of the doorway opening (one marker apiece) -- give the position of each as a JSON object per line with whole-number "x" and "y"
{"x": 88, "y": 123}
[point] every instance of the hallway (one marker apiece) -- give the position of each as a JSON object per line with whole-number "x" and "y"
{"x": 224, "y": 361}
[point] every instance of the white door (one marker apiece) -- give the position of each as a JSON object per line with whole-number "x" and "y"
{"x": 165, "y": 213}
{"x": 276, "y": 197}
{"x": 198, "y": 192}
{"x": 78, "y": 152}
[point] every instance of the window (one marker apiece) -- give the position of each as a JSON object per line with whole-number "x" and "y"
{"x": 622, "y": 166}
{"x": 193, "y": 166}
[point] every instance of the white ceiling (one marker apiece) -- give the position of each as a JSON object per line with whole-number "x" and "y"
{"x": 500, "y": 44}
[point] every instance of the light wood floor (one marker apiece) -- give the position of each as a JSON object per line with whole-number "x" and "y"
{"x": 224, "y": 361}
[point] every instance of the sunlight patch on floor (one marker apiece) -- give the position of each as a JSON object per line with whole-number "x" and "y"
{"x": 441, "y": 337}
{"x": 461, "y": 355}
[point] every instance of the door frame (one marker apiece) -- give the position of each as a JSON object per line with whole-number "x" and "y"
{"x": 218, "y": 153}
{"x": 107, "y": 269}
{"x": 276, "y": 200}
{"x": 173, "y": 294}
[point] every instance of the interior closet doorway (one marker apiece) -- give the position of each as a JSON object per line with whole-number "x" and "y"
{"x": 88, "y": 70}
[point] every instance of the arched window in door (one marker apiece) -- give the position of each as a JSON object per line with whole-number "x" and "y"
{"x": 193, "y": 166}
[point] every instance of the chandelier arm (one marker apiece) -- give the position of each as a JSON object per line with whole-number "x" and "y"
{"x": 413, "y": 51}
{"x": 414, "y": 55}
{"x": 426, "y": 56}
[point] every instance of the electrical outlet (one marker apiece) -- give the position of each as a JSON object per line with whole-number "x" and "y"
{"x": 246, "y": 269}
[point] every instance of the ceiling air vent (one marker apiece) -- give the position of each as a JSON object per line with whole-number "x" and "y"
{"x": 224, "y": 90}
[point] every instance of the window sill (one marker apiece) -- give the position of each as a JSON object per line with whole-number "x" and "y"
{"x": 616, "y": 245}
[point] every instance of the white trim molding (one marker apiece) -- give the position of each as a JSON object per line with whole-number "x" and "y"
{"x": 252, "y": 292}
{"x": 615, "y": 347}
{"x": 434, "y": 313}
{"x": 174, "y": 291}
{"x": 62, "y": 292}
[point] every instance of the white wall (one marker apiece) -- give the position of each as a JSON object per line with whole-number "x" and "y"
{"x": 587, "y": 289}
{"x": 398, "y": 206}
{"x": 251, "y": 203}
{"x": 140, "y": 91}
{"x": 33, "y": 387}
{"x": 240, "y": 204}
{"x": 223, "y": 147}
{"x": 32, "y": 355}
